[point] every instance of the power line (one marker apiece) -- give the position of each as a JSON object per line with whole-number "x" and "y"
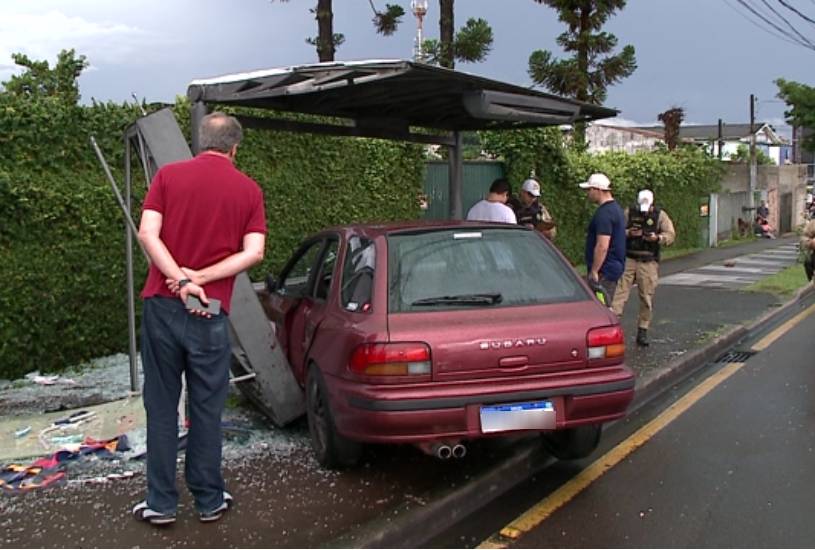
{"x": 763, "y": 28}
{"x": 792, "y": 9}
{"x": 758, "y": 25}
{"x": 786, "y": 22}
{"x": 803, "y": 41}
{"x": 764, "y": 18}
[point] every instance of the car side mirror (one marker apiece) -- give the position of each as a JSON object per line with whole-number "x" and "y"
{"x": 271, "y": 284}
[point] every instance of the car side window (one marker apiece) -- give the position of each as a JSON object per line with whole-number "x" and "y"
{"x": 295, "y": 282}
{"x": 326, "y": 271}
{"x": 358, "y": 274}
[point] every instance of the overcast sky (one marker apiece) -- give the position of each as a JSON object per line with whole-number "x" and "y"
{"x": 705, "y": 56}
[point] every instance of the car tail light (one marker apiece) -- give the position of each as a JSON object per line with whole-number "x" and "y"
{"x": 391, "y": 359}
{"x": 606, "y": 342}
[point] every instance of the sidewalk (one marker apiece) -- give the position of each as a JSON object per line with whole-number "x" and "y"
{"x": 399, "y": 497}
{"x": 701, "y": 297}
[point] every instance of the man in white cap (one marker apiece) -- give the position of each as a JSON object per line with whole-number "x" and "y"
{"x": 531, "y": 212}
{"x": 605, "y": 238}
{"x": 648, "y": 228}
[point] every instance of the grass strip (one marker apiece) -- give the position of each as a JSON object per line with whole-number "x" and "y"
{"x": 784, "y": 283}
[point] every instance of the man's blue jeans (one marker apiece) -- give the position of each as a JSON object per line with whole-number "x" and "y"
{"x": 174, "y": 341}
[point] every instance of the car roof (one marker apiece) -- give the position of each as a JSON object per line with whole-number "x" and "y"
{"x": 409, "y": 226}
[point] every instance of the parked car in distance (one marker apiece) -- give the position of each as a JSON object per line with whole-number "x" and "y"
{"x": 440, "y": 333}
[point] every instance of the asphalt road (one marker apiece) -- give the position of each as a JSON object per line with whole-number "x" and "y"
{"x": 283, "y": 499}
{"x": 735, "y": 469}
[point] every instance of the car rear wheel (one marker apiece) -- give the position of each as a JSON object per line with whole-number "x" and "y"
{"x": 332, "y": 449}
{"x": 572, "y": 443}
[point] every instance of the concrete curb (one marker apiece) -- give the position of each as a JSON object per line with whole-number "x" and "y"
{"x": 411, "y": 525}
{"x": 684, "y": 366}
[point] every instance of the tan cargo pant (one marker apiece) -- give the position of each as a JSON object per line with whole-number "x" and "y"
{"x": 646, "y": 275}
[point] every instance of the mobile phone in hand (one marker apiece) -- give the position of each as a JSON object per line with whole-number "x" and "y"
{"x": 214, "y": 307}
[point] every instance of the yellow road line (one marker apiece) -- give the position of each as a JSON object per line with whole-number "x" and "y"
{"x": 542, "y": 510}
{"x": 545, "y": 508}
{"x": 765, "y": 342}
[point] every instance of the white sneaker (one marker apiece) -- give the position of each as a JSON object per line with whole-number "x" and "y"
{"x": 143, "y": 512}
{"x": 216, "y": 514}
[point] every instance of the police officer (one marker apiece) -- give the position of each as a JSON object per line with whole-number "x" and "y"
{"x": 648, "y": 229}
{"x": 530, "y": 212}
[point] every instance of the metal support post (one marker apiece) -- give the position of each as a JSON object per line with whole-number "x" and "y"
{"x": 197, "y": 112}
{"x": 456, "y": 177}
{"x": 720, "y": 142}
{"x": 753, "y": 168}
{"x": 131, "y": 294}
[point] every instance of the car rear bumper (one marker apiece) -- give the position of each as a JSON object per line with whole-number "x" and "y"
{"x": 437, "y": 411}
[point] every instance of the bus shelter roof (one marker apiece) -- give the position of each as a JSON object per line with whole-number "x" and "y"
{"x": 388, "y": 97}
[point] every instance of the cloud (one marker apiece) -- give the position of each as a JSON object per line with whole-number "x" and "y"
{"x": 42, "y": 36}
{"x": 624, "y": 122}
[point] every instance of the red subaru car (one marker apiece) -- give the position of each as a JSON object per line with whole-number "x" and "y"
{"x": 439, "y": 333}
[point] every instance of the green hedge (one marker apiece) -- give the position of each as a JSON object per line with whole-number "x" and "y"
{"x": 679, "y": 179}
{"x": 62, "y": 262}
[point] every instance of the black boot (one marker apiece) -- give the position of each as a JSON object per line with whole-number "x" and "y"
{"x": 642, "y": 337}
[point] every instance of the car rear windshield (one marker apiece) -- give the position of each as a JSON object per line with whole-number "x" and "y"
{"x": 458, "y": 269}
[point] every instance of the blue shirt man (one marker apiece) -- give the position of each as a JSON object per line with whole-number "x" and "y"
{"x": 605, "y": 239}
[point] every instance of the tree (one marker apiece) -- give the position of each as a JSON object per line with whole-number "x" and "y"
{"x": 586, "y": 75}
{"x": 672, "y": 119}
{"x": 470, "y": 44}
{"x": 386, "y": 22}
{"x": 742, "y": 156}
{"x": 800, "y": 98}
{"x": 327, "y": 41}
{"x": 40, "y": 80}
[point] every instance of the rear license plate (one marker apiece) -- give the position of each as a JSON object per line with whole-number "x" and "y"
{"x": 536, "y": 415}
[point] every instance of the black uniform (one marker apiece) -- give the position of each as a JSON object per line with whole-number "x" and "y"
{"x": 636, "y": 247}
{"x": 531, "y": 214}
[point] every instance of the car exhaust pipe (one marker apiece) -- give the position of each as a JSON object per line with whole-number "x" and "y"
{"x": 443, "y": 452}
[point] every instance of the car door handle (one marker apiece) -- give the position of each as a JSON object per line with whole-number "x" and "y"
{"x": 514, "y": 361}
{"x": 308, "y": 333}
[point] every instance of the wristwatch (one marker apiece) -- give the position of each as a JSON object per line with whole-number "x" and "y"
{"x": 182, "y": 282}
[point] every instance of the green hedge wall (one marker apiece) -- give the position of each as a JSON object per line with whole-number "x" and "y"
{"x": 62, "y": 262}
{"x": 679, "y": 179}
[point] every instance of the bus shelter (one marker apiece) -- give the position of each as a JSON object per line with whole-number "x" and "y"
{"x": 385, "y": 99}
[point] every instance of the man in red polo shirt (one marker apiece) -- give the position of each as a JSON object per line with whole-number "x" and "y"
{"x": 203, "y": 222}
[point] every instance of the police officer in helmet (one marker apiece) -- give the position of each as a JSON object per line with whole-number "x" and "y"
{"x": 648, "y": 229}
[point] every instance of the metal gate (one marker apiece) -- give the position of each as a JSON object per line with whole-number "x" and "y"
{"x": 477, "y": 177}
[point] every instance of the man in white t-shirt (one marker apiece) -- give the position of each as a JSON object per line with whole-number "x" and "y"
{"x": 494, "y": 208}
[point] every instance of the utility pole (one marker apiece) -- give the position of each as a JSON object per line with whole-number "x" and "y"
{"x": 720, "y": 141}
{"x": 753, "y": 167}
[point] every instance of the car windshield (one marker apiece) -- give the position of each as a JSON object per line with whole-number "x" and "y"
{"x": 485, "y": 268}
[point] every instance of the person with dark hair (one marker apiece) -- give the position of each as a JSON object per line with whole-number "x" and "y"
{"x": 494, "y": 208}
{"x": 763, "y": 211}
{"x": 202, "y": 223}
